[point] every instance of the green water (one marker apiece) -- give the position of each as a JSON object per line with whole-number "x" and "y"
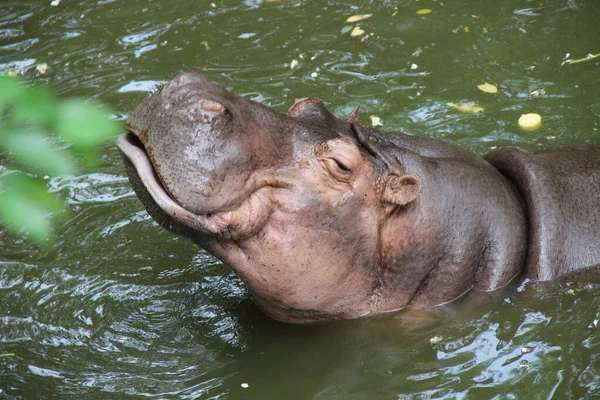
{"x": 118, "y": 308}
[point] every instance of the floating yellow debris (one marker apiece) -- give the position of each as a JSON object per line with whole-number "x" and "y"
{"x": 530, "y": 122}
{"x": 487, "y": 88}
{"x": 466, "y": 109}
{"x": 356, "y": 18}
{"x": 435, "y": 339}
{"x": 424, "y": 11}
{"x": 356, "y": 31}
{"x": 376, "y": 121}
{"x": 42, "y": 68}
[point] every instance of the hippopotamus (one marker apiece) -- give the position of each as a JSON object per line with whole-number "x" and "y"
{"x": 324, "y": 218}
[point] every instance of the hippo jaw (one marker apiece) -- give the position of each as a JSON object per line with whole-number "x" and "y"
{"x": 214, "y": 223}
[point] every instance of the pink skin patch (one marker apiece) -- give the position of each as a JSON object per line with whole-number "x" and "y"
{"x": 212, "y": 106}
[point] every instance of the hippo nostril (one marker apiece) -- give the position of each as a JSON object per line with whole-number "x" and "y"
{"x": 212, "y": 106}
{"x": 206, "y": 111}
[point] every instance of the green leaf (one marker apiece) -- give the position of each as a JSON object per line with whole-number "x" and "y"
{"x": 35, "y": 105}
{"x": 25, "y": 206}
{"x": 88, "y": 157}
{"x": 84, "y": 125}
{"x": 10, "y": 89}
{"x": 19, "y": 212}
{"x": 32, "y": 149}
{"x": 33, "y": 188}
{"x": 346, "y": 28}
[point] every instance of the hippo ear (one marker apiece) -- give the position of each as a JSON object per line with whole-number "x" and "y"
{"x": 309, "y": 108}
{"x": 401, "y": 190}
{"x": 353, "y": 116}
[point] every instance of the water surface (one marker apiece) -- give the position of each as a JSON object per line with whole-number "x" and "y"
{"x": 119, "y": 308}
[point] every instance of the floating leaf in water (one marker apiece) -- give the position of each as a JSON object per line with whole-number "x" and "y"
{"x": 294, "y": 64}
{"x": 530, "y": 122}
{"x": 580, "y": 60}
{"x": 346, "y": 28}
{"x": 375, "y": 121}
{"x": 466, "y": 29}
{"x": 42, "y": 68}
{"x": 7, "y": 355}
{"x": 356, "y": 31}
{"x": 487, "y": 88}
{"x": 466, "y": 109}
{"x": 206, "y": 45}
{"x": 356, "y": 18}
{"x": 424, "y": 11}
{"x": 537, "y": 93}
{"x": 12, "y": 74}
{"x": 435, "y": 340}
{"x": 54, "y": 3}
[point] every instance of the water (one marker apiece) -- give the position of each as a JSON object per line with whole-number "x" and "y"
{"x": 119, "y": 308}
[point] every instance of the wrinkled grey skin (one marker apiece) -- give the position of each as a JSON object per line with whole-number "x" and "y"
{"x": 323, "y": 218}
{"x": 562, "y": 195}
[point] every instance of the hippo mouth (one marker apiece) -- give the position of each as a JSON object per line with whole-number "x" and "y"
{"x": 242, "y": 220}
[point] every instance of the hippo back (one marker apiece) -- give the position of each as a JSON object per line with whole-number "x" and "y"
{"x": 562, "y": 194}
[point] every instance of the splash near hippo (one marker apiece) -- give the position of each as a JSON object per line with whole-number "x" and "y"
{"x": 324, "y": 218}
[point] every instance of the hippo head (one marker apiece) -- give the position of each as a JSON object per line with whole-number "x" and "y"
{"x": 305, "y": 207}
{"x": 293, "y": 203}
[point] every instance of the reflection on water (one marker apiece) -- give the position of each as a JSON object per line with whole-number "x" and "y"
{"x": 119, "y": 308}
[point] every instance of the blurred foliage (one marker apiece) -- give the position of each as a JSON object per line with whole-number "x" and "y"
{"x": 42, "y": 136}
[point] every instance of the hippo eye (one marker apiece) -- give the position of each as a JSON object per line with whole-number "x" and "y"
{"x": 341, "y": 165}
{"x": 338, "y": 169}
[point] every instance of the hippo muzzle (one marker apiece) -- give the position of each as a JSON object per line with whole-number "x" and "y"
{"x": 182, "y": 144}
